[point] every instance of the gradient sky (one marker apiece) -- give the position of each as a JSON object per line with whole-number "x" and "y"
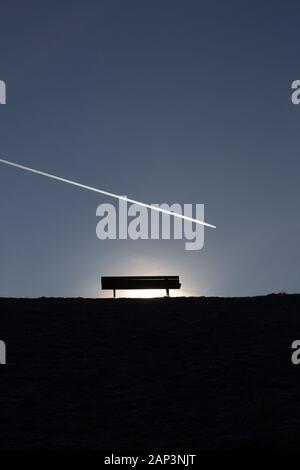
{"x": 164, "y": 101}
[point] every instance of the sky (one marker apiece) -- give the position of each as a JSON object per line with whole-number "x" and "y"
{"x": 163, "y": 101}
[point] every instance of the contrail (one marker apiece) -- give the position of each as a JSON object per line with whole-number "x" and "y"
{"x": 106, "y": 193}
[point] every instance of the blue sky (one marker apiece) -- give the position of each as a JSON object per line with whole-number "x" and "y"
{"x": 164, "y": 101}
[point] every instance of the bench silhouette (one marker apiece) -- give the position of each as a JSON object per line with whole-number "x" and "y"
{"x": 140, "y": 282}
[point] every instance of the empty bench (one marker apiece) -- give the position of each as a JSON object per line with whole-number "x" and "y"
{"x": 140, "y": 282}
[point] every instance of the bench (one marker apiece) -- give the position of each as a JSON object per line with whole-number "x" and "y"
{"x": 140, "y": 282}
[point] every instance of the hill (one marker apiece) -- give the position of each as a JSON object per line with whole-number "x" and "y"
{"x": 194, "y": 373}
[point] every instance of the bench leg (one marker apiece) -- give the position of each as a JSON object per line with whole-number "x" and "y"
{"x": 114, "y": 293}
{"x": 168, "y": 293}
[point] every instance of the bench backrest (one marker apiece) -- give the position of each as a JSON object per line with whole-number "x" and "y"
{"x": 140, "y": 282}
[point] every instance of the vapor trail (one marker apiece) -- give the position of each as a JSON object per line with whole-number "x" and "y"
{"x": 106, "y": 193}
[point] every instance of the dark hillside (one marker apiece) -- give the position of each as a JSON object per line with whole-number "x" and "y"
{"x": 193, "y": 373}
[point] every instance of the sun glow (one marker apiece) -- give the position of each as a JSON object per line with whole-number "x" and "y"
{"x": 148, "y": 293}
{"x": 143, "y": 293}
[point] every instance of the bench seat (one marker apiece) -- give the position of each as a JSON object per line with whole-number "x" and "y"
{"x": 140, "y": 282}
